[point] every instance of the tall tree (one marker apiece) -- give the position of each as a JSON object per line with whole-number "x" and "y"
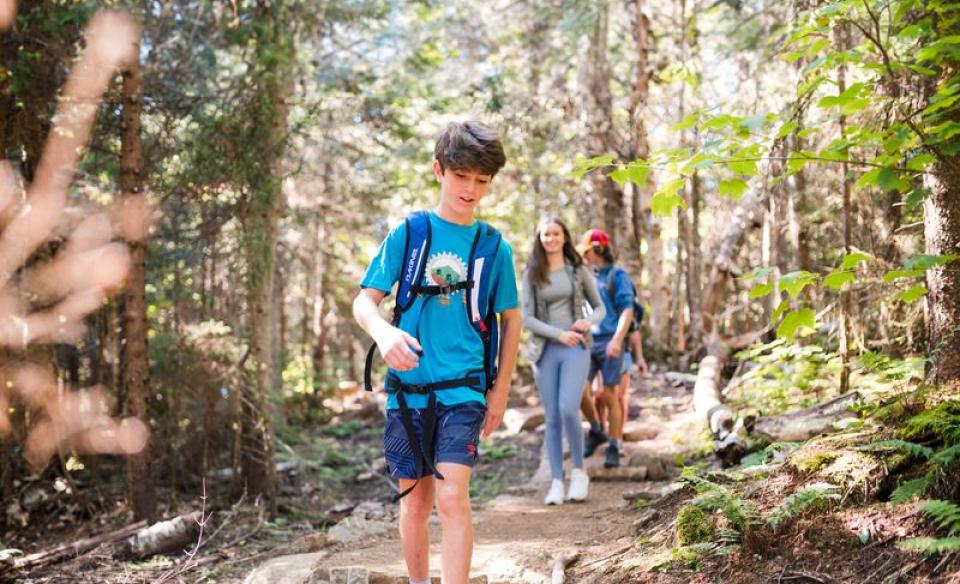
{"x": 262, "y": 208}
{"x": 136, "y": 363}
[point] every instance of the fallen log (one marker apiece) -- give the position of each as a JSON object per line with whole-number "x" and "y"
{"x": 706, "y": 397}
{"x": 804, "y": 424}
{"x": 560, "y": 564}
{"x": 165, "y": 536}
{"x": 76, "y": 548}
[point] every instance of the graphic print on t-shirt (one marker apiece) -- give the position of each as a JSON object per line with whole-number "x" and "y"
{"x": 446, "y": 269}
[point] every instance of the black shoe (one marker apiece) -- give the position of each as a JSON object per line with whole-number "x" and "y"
{"x": 592, "y": 441}
{"x": 612, "y": 458}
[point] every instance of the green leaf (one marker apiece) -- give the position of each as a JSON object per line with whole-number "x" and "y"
{"x": 664, "y": 204}
{"x": 794, "y": 282}
{"x": 794, "y": 321}
{"x": 733, "y": 188}
{"x": 757, "y": 274}
{"x": 781, "y": 308}
{"x": 926, "y": 261}
{"x": 892, "y": 275}
{"x": 890, "y": 180}
{"x": 836, "y": 280}
{"x": 913, "y": 294}
{"x": 761, "y": 290}
{"x": 688, "y": 121}
{"x": 910, "y": 489}
{"x": 744, "y": 167}
{"x": 619, "y": 176}
{"x": 921, "y": 161}
{"x": 787, "y": 129}
{"x": 721, "y": 121}
{"x": 666, "y": 199}
{"x": 853, "y": 259}
{"x": 845, "y": 99}
{"x": 697, "y": 162}
{"x": 915, "y": 198}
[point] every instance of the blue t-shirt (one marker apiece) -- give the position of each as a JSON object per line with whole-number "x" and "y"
{"x": 452, "y": 348}
{"x": 622, "y": 300}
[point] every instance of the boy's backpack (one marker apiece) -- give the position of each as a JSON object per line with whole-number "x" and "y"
{"x": 637, "y": 305}
{"x": 480, "y": 313}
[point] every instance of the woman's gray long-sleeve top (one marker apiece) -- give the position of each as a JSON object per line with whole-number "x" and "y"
{"x": 551, "y": 309}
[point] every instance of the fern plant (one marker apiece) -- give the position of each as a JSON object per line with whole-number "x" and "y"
{"x": 913, "y": 488}
{"x": 946, "y": 516}
{"x": 911, "y": 448}
{"x": 713, "y": 497}
{"x": 812, "y": 496}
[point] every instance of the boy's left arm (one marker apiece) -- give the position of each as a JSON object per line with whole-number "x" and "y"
{"x": 510, "y": 321}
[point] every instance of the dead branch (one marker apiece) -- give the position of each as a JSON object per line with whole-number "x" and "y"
{"x": 560, "y": 563}
{"x": 74, "y": 549}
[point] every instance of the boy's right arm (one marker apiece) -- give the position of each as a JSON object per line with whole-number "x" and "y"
{"x": 394, "y": 344}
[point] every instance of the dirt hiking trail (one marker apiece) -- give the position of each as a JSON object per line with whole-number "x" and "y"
{"x": 517, "y": 538}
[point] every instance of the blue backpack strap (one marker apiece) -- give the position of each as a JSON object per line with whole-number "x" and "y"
{"x": 415, "y": 253}
{"x": 480, "y": 311}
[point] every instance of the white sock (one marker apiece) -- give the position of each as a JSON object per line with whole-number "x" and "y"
{"x": 412, "y": 581}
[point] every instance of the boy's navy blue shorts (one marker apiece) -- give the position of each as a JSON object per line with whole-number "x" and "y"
{"x": 609, "y": 367}
{"x": 456, "y": 437}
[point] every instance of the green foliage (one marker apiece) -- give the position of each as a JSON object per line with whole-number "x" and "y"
{"x": 774, "y": 452}
{"x": 931, "y": 545}
{"x": 785, "y": 376}
{"x": 810, "y": 497}
{"x": 941, "y": 422}
{"x": 714, "y": 497}
{"x": 497, "y": 451}
{"x": 693, "y": 525}
{"x": 945, "y": 514}
{"x": 910, "y": 448}
{"x": 911, "y": 489}
{"x": 345, "y": 429}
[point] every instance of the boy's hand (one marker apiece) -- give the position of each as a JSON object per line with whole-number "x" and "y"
{"x": 570, "y": 338}
{"x": 614, "y": 348}
{"x": 496, "y": 406}
{"x": 395, "y": 346}
{"x": 642, "y": 367}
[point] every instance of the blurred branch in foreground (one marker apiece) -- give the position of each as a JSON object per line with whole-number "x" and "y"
{"x": 44, "y": 300}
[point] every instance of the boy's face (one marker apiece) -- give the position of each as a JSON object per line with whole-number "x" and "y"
{"x": 461, "y": 190}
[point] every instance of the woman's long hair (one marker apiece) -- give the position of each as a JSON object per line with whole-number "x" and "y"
{"x": 537, "y": 266}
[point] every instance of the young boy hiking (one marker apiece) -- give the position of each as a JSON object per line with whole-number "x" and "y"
{"x": 446, "y": 384}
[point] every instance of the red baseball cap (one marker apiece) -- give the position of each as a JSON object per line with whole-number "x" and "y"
{"x": 594, "y": 237}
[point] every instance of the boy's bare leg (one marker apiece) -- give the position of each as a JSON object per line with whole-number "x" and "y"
{"x": 453, "y": 506}
{"x": 587, "y": 407}
{"x": 600, "y": 403}
{"x": 415, "y": 511}
{"x": 623, "y": 393}
{"x": 615, "y": 411}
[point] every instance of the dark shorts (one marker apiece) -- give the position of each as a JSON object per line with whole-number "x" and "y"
{"x": 456, "y": 437}
{"x": 609, "y": 367}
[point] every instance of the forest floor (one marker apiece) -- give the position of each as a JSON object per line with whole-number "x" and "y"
{"x": 336, "y": 521}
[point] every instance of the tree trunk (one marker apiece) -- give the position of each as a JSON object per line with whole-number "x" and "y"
{"x": 941, "y": 214}
{"x": 748, "y": 215}
{"x": 262, "y": 213}
{"x": 598, "y": 105}
{"x": 842, "y": 42}
{"x": 136, "y": 370}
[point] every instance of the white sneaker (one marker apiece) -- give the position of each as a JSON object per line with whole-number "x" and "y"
{"x": 555, "y": 494}
{"x": 579, "y": 483}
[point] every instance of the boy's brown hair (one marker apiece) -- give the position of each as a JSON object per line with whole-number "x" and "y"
{"x": 471, "y": 146}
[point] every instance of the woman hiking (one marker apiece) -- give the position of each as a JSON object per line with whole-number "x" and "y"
{"x": 556, "y": 288}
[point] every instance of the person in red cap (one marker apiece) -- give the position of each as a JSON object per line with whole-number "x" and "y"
{"x": 609, "y": 336}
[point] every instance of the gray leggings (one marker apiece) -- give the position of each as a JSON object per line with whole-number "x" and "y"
{"x": 560, "y": 374}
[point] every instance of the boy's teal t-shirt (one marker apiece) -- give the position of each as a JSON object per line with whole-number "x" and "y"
{"x": 452, "y": 349}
